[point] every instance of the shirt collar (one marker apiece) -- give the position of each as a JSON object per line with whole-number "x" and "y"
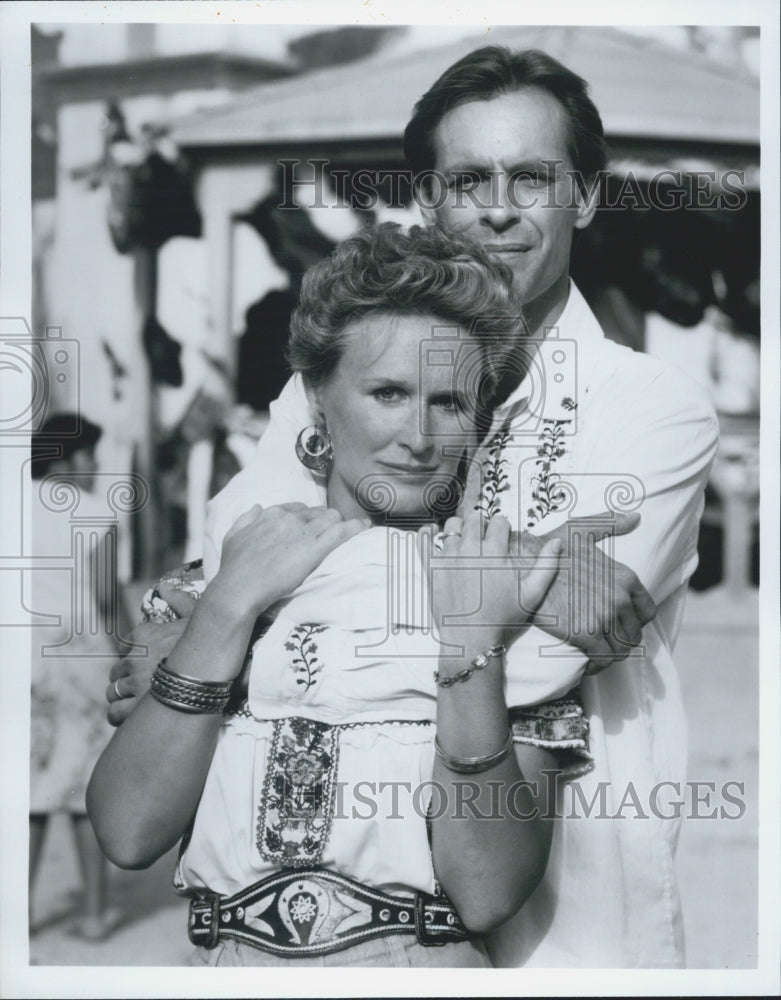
{"x": 561, "y": 368}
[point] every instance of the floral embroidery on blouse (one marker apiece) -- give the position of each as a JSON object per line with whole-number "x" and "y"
{"x": 494, "y": 474}
{"x": 296, "y": 805}
{"x": 559, "y": 726}
{"x": 298, "y": 793}
{"x": 306, "y": 664}
{"x": 547, "y": 494}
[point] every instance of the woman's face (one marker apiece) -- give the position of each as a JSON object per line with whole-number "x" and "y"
{"x": 400, "y": 409}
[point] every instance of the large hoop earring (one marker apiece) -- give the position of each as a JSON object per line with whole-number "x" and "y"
{"x": 314, "y": 448}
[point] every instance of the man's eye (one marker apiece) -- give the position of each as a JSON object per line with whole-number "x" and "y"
{"x": 534, "y": 178}
{"x": 465, "y": 181}
{"x": 388, "y": 394}
{"x": 529, "y": 178}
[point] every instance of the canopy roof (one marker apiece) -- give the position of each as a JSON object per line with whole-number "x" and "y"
{"x": 643, "y": 89}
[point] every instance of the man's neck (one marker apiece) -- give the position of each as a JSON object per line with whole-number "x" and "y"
{"x": 539, "y": 316}
{"x": 545, "y": 311}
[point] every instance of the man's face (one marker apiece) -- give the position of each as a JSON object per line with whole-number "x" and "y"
{"x": 501, "y": 191}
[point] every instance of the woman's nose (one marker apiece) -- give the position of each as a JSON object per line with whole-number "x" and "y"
{"x": 414, "y": 433}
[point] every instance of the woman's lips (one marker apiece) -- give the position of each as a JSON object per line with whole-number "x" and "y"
{"x": 411, "y": 470}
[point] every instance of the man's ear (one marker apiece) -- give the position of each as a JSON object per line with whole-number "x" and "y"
{"x": 428, "y": 214}
{"x": 587, "y": 202}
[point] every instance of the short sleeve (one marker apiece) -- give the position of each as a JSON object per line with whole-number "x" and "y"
{"x": 560, "y": 727}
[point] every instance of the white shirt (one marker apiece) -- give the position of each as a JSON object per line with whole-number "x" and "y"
{"x": 595, "y": 425}
{"x": 620, "y": 426}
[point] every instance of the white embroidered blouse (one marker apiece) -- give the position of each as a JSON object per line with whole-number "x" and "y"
{"x": 330, "y": 760}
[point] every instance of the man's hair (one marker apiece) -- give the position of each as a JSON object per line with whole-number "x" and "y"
{"x": 423, "y": 271}
{"x": 494, "y": 70}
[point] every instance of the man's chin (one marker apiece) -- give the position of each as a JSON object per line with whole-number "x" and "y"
{"x": 523, "y": 285}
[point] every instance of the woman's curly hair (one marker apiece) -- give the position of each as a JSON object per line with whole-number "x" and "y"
{"x": 422, "y": 270}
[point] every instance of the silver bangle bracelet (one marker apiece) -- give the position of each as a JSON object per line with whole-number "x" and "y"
{"x": 188, "y": 694}
{"x": 222, "y": 686}
{"x": 473, "y": 765}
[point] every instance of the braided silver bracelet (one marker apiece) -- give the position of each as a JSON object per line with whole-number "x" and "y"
{"x": 480, "y": 662}
{"x": 189, "y": 694}
{"x": 473, "y": 765}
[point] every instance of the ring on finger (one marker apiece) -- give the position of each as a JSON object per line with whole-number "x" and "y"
{"x": 117, "y": 692}
{"x": 439, "y": 538}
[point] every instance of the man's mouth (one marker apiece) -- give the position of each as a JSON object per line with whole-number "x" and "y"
{"x": 507, "y": 247}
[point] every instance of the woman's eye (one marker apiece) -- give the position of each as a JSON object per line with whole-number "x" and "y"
{"x": 450, "y": 404}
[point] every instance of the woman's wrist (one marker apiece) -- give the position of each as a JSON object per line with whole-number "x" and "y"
{"x": 471, "y": 707}
{"x": 214, "y": 644}
{"x": 185, "y": 693}
{"x": 483, "y": 659}
{"x": 235, "y": 603}
{"x": 460, "y": 646}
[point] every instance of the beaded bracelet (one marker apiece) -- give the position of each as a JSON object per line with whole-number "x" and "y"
{"x": 473, "y": 765}
{"x": 189, "y": 694}
{"x": 480, "y": 662}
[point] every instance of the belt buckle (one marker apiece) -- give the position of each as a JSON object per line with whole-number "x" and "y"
{"x": 209, "y": 915}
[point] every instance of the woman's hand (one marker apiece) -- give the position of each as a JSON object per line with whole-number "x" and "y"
{"x": 477, "y": 592}
{"x": 268, "y": 553}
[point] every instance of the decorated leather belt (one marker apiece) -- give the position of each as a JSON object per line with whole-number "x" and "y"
{"x": 300, "y": 913}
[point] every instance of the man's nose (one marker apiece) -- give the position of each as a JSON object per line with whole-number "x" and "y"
{"x": 500, "y": 210}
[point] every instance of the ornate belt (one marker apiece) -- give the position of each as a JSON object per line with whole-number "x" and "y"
{"x": 300, "y": 913}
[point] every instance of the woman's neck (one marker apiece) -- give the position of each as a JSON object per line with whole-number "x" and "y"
{"x": 349, "y": 507}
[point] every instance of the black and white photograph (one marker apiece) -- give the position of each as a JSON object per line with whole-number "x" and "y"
{"x": 389, "y": 432}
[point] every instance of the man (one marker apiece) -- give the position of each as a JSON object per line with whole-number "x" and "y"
{"x": 518, "y": 142}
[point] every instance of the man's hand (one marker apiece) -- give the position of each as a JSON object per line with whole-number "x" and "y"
{"x": 595, "y": 603}
{"x": 130, "y": 677}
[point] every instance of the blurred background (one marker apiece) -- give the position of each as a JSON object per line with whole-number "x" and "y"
{"x": 160, "y": 248}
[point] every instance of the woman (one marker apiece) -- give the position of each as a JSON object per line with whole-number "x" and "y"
{"x": 293, "y": 851}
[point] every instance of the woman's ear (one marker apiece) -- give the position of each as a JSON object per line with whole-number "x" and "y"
{"x": 313, "y": 396}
